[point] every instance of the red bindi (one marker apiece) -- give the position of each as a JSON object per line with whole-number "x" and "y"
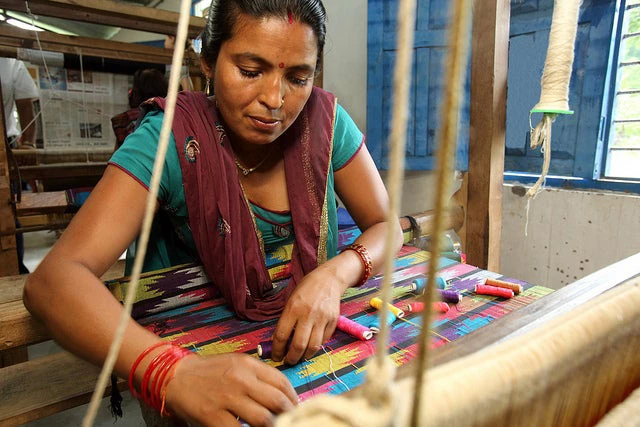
{"x": 290, "y": 15}
{"x": 281, "y": 65}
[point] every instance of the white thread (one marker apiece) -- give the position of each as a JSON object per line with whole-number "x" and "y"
{"x": 48, "y": 76}
{"x": 376, "y": 391}
{"x": 333, "y": 372}
{"x": 559, "y": 61}
{"x": 456, "y": 67}
{"x": 174, "y": 81}
{"x": 554, "y": 92}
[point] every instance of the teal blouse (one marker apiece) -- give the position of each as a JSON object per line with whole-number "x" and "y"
{"x": 171, "y": 242}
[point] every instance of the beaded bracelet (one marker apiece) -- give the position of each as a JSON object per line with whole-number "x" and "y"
{"x": 158, "y": 374}
{"x": 363, "y": 253}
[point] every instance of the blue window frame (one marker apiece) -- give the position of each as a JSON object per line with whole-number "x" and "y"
{"x": 622, "y": 150}
{"x": 426, "y": 84}
{"x": 579, "y": 142}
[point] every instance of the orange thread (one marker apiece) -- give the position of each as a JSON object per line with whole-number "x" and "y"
{"x": 515, "y": 287}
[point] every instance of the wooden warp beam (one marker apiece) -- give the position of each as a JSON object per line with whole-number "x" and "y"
{"x": 571, "y": 370}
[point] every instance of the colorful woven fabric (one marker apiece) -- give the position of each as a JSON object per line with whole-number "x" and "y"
{"x": 76, "y": 197}
{"x": 209, "y": 326}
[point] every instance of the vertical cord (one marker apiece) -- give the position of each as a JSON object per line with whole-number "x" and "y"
{"x": 174, "y": 82}
{"x": 87, "y": 125}
{"x": 397, "y": 140}
{"x": 456, "y": 67}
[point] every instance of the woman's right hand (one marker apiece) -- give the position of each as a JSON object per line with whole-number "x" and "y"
{"x": 219, "y": 390}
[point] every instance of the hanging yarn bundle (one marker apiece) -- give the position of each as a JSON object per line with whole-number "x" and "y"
{"x": 554, "y": 94}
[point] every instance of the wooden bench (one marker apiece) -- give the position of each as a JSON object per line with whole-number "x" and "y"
{"x": 33, "y": 389}
{"x": 43, "y": 211}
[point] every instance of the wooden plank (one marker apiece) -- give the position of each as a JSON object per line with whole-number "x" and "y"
{"x": 17, "y": 327}
{"x": 13, "y": 356}
{"x": 45, "y": 386}
{"x": 453, "y": 218}
{"x": 10, "y": 38}
{"x": 11, "y": 288}
{"x": 30, "y": 40}
{"x": 62, "y": 170}
{"x": 31, "y": 223}
{"x": 489, "y": 64}
{"x": 86, "y": 51}
{"x": 109, "y": 12}
{"x": 546, "y": 308}
{"x": 8, "y": 252}
{"x": 46, "y": 202}
{"x": 460, "y": 198}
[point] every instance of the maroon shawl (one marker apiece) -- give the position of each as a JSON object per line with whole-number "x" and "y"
{"x": 223, "y": 227}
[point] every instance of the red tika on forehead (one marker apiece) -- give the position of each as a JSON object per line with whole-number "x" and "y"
{"x": 281, "y": 65}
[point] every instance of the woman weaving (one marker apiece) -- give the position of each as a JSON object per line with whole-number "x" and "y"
{"x": 249, "y": 171}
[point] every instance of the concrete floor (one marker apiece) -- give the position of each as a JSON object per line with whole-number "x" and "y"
{"x": 37, "y": 244}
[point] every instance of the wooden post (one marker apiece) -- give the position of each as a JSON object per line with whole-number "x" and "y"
{"x": 8, "y": 252}
{"x": 489, "y": 62}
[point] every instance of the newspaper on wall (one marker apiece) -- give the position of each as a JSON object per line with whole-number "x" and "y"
{"x": 77, "y": 108}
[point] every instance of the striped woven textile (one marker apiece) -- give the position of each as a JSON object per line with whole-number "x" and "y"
{"x": 180, "y": 305}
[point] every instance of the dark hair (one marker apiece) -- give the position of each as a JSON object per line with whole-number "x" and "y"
{"x": 147, "y": 83}
{"x": 223, "y": 15}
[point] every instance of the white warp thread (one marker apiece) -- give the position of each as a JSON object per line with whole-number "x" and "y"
{"x": 559, "y": 62}
{"x": 174, "y": 81}
{"x": 554, "y": 96}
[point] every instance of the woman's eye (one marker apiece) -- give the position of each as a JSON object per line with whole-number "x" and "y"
{"x": 249, "y": 74}
{"x": 299, "y": 81}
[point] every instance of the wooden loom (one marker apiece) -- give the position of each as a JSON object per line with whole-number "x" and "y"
{"x": 495, "y": 329}
{"x": 571, "y": 368}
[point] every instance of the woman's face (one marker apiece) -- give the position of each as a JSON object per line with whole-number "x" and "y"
{"x": 264, "y": 76}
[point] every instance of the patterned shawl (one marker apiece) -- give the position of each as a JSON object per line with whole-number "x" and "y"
{"x": 224, "y": 230}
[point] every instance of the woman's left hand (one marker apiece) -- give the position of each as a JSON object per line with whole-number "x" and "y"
{"x": 309, "y": 317}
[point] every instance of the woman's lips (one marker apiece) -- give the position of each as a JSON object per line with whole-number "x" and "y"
{"x": 265, "y": 123}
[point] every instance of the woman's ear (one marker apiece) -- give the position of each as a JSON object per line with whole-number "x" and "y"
{"x": 207, "y": 69}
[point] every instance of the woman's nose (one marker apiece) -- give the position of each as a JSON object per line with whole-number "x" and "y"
{"x": 273, "y": 94}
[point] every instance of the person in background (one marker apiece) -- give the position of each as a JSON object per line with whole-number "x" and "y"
{"x": 18, "y": 93}
{"x": 147, "y": 83}
{"x": 249, "y": 173}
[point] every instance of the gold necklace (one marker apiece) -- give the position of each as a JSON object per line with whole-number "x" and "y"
{"x": 247, "y": 171}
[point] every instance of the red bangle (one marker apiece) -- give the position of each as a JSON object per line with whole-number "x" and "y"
{"x": 142, "y": 355}
{"x": 158, "y": 374}
{"x": 363, "y": 253}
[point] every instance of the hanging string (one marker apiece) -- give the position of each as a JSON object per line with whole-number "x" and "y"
{"x": 456, "y": 67}
{"x": 397, "y": 141}
{"x": 375, "y": 407}
{"x": 554, "y": 94}
{"x": 84, "y": 98}
{"x": 174, "y": 81}
{"x": 48, "y": 77}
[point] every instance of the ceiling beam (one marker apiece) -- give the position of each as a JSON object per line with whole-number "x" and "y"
{"x": 108, "y": 12}
{"x": 18, "y": 38}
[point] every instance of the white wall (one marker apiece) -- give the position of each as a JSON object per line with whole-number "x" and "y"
{"x": 345, "y": 56}
{"x": 571, "y": 233}
{"x": 345, "y": 74}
